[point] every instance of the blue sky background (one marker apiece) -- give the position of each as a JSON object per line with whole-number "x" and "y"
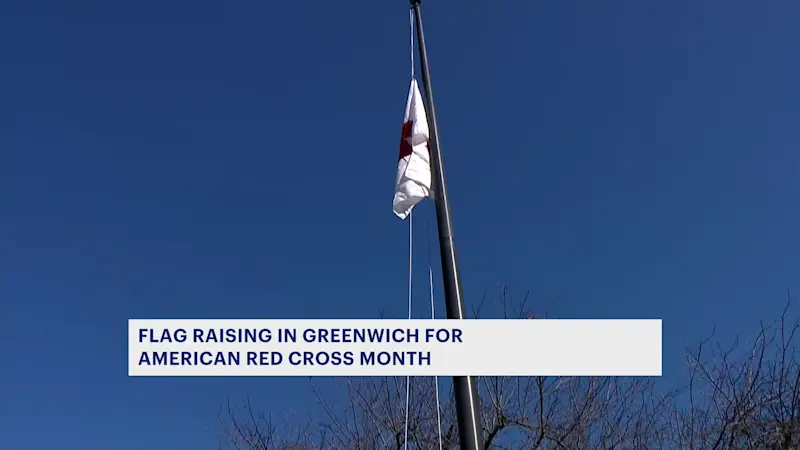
{"x": 207, "y": 159}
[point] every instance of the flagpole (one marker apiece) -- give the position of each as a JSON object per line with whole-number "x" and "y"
{"x": 466, "y": 392}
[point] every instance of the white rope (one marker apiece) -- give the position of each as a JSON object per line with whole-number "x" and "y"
{"x": 411, "y": 23}
{"x": 408, "y": 378}
{"x": 435, "y": 378}
{"x": 410, "y": 247}
{"x": 433, "y": 316}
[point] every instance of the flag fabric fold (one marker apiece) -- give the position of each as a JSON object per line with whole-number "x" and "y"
{"x": 413, "y": 182}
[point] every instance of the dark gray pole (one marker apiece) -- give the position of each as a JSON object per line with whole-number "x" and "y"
{"x": 467, "y": 402}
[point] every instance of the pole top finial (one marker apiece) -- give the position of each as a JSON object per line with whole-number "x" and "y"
{"x": 415, "y": 2}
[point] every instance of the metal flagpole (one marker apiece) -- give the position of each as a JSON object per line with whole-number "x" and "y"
{"x": 466, "y": 392}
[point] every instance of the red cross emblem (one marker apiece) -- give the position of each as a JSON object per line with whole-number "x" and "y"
{"x": 405, "y": 139}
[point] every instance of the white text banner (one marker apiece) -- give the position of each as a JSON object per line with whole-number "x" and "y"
{"x": 545, "y": 347}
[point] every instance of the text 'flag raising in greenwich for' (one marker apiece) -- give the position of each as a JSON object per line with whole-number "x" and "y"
{"x": 462, "y": 349}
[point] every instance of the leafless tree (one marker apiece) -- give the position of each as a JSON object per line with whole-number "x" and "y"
{"x": 245, "y": 429}
{"x": 742, "y": 396}
{"x": 733, "y": 399}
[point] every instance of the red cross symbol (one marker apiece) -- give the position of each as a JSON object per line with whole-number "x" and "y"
{"x": 405, "y": 140}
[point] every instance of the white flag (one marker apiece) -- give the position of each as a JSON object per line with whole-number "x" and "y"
{"x": 413, "y": 168}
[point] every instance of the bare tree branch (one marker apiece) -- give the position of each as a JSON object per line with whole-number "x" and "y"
{"x": 735, "y": 397}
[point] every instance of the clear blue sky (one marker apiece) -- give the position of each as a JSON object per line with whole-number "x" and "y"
{"x": 213, "y": 159}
